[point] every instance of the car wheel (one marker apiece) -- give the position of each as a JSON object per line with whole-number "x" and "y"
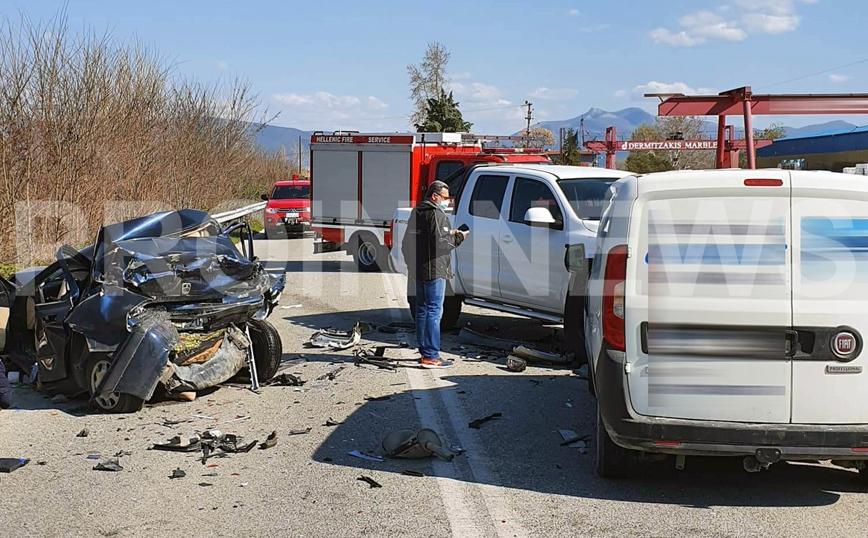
{"x": 451, "y": 310}
{"x": 114, "y": 402}
{"x": 613, "y": 461}
{"x": 368, "y": 255}
{"x": 267, "y": 349}
{"x": 574, "y": 328}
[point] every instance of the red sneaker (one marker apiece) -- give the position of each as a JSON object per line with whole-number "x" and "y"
{"x": 435, "y": 364}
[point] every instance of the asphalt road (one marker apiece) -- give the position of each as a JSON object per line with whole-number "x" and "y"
{"x": 514, "y": 478}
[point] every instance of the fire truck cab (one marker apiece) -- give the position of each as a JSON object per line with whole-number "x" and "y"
{"x": 359, "y": 180}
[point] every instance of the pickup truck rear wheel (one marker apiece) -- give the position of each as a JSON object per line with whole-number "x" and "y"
{"x": 451, "y": 310}
{"x": 369, "y": 255}
{"x": 574, "y": 328}
{"x": 613, "y": 461}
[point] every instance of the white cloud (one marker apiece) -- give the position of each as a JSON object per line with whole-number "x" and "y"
{"x": 619, "y": 94}
{"x": 375, "y": 104}
{"x": 222, "y": 66}
{"x": 669, "y": 87}
{"x": 838, "y": 79}
{"x": 681, "y": 39}
{"x": 758, "y": 17}
{"x": 573, "y": 13}
{"x": 555, "y": 94}
{"x": 593, "y": 28}
{"x": 324, "y": 110}
{"x": 463, "y": 75}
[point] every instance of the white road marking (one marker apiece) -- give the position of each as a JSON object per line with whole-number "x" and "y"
{"x": 476, "y": 508}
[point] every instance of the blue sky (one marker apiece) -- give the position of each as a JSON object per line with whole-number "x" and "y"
{"x": 342, "y": 64}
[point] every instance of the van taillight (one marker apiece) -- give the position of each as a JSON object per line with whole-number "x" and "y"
{"x": 388, "y": 240}
{"x": 613, "y": 297}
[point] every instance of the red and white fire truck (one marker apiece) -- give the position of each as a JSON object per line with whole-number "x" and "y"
{"x": 359, "y": 180}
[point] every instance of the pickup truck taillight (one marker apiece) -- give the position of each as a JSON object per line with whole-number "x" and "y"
{"x": 613, "y": 297}
{"x": 388, "y": 239}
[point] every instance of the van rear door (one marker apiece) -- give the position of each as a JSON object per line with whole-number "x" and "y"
{"x": 830, "y": 297}
{"x": 709, "y": 316}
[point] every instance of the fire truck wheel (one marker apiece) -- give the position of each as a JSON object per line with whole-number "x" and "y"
{"x": 368, "y": 255}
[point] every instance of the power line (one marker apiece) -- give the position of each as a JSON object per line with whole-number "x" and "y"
{"x": 814, "y": 74}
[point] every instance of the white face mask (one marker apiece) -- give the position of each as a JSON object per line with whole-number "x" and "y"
{"x": 444, "y": 204}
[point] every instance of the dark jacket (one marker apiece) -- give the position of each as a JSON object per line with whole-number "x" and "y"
{"x": 428, "y": 243}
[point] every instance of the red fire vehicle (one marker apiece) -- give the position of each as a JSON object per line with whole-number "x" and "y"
{"x": 359, "y": 180}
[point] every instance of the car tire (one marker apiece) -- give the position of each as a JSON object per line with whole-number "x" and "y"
{"x": 574, "y": 328}
{"x": 368, "y": 254}
{"x": 612, "y": 461}
{"x": 451, "y": 311}
{"x": 97, "y": 367}
{"x": 267, "y": 349}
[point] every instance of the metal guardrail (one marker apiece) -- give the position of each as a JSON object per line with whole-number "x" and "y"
{"x": 228, "y": 216}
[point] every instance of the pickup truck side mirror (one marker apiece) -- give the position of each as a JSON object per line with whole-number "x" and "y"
{"x": 264, "y": 197}
{"x": 574, "y": 259}
{"x": 539, "y": 216}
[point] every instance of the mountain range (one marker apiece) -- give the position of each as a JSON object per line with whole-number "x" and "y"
{"x": 274, "y": 137}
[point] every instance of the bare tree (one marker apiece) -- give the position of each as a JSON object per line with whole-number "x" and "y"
{"x": 427, "y": 80}
{"x": 539, "y": 137}
{"x": 89, "y": 124}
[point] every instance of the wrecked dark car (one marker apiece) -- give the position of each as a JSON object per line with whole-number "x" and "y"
{"x": 166, "y": 302}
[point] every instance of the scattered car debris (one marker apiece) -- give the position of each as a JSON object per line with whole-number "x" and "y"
{"x": 407, "y": 443}
{"x": 368, "y": 457}
{"x": 572, "y": 440}
{"x": 270, "y": 441}
{"x": 331, "y": 374}
{"x": 377, "y": 398}
{"x": 83, "y": 433}
{"x": 174, "y": 445}
{"x": 59, "y": 398}
{"x": 456, "y": 449}
{"x": 111, "y": 464}
{"x": 515, "y": 364}
{"x": 94, "y": 457}
{"x": 206, "y": 485}
{"x": 473, "y": 338}
{"x": 535, "y": 355}
{"x": 332, "y": 422}
{"x": 411, "y": 472}
{"x": 291, "y": 306}
{"x": 370, "y": 481}
{"x": 336, "y": 340}
{"x": 377, "y": 357}
{"x": 285, "y": 380}
{"x": 7, "y": 465}
{"x": 480, "y": 421}
{"x": 299, "y": 432}
{"x": 178, "y": 473}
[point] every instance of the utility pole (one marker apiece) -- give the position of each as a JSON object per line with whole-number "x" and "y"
{"x": 299, "y": 155}
{"x": 529, "y": 115}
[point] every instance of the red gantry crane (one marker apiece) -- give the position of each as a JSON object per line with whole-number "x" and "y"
{"x": 743, "y": 102}
{"x": 730, "y": 148}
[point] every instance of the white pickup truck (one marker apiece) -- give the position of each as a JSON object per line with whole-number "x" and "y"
{"x": 531, "y": 229}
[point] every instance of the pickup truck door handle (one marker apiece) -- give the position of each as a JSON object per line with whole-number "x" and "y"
{"x": 507, "y": 239}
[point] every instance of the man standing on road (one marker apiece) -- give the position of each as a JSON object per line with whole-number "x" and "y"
{"x": 427, "y": 249}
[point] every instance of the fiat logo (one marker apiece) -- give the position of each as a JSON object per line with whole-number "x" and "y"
{"x": 844, "y": 344}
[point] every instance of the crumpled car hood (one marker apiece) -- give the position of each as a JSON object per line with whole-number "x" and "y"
{"x": 183, "y": 269}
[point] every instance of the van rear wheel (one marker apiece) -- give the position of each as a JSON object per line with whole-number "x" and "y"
{"x": 613, "y": 461}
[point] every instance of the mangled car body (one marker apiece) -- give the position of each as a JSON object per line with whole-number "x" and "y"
{"x": 165, "y": 301}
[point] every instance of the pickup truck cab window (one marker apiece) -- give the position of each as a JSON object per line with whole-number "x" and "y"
{"x": 586, "y": 195}
{"x": 447, "y": 168}
{"x": 487, "y": 199}
{"x": 528, "y": 193}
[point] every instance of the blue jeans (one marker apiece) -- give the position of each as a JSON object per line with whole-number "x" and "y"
{"x": 429, "y": 310}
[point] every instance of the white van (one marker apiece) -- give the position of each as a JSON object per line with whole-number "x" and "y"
{"x": 725, "y": 316}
